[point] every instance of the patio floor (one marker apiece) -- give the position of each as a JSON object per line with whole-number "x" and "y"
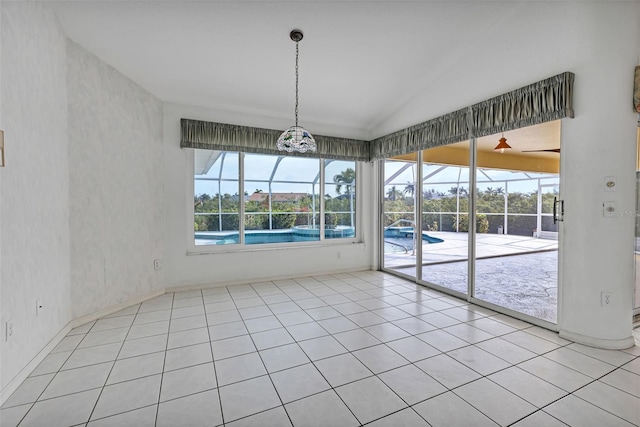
{"x": 516, "y": 272}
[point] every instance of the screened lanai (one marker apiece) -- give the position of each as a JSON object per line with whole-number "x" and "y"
{"x": 512, "y": 202}
{"x": 279, "y": 198}
{"x": 512, "y": 255}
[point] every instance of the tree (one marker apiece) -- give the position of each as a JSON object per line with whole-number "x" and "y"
{"x": 461, "y": 190}
{"x": 347, "y": 179}
{"x": 410, "y": 189}
{"x": 393, "y": 194}
{"x": 429, "y": 194}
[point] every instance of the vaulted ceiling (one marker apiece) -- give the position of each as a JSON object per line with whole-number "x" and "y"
{"x": 367, "y": 68}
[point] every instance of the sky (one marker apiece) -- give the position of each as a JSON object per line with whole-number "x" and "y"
{"x": 297, "y": 174}
{"x": 442, "y": 180}
{"x": 292, "y": 175}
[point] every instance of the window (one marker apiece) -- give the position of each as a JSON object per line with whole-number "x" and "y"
{"x": 255, "y": 199}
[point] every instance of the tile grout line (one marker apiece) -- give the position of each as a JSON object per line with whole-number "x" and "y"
{"x": 460, "y": 322}
{"x": 32, "y": 404}
{"x": 213, "y": 360}
{"x": 265, "y": 366}
{"x": 373, "y": 375}
{"x": 308, "y": 287}
{"x": 54, "y": 374}
{"x": 164, "y": 361}
{"x": 112, "y": 366}
{"x": 310, "y": 362}
{"x": 590, "y": 383}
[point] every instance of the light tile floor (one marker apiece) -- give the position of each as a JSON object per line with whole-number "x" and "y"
{"x": 336, "y": 350}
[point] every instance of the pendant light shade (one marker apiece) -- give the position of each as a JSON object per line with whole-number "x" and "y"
{"x": 502, "y": 144}
{"x": 296, "y": 138}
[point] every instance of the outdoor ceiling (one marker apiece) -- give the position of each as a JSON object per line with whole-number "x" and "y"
{"x": 367, "y": 68}
{"x": 528, "y": 141}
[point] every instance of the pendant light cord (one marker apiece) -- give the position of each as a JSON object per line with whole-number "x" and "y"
{"x": 297, "y": 84}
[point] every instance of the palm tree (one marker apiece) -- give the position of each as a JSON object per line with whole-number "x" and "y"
{"x": 393, "y": 194}
{"x": 347, "y": 179}
{"x": 410, "y": 189}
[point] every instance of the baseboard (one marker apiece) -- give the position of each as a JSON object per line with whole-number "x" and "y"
{"x": 33, "y": 364}
{"x": 114, "y": 309}
{"x": 13, "y": 385}
{"x": 195, "y": 287}
{"x": 603, "y": 343}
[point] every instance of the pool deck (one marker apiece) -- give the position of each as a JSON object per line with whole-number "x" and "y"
{"x": 455, "y": 248}
{"x": 517, "y": 272}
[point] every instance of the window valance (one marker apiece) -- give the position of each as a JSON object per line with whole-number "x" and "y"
{"x": 544, "y": 101}
{"x": 447, "y": 129}
{"x": 227, "y": 137}
{"x": 540, "y": 102}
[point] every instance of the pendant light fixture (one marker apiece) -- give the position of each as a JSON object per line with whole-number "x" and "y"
{"x": 296, "y": 138}
{"x": 502, "y": 144}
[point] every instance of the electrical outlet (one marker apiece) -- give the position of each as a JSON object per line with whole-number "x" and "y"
{"x": 156, "y": 264}
{"x": 606, "y": 298}
{"x": 608, "y": 209}
{"x": 8, "y": 330}
{"x": 609, "y": 183}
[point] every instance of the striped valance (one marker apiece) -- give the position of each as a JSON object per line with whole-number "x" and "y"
{"x": 447, "y": 129}
{"x": 544, "y": 101}
{"x": 226, "y": 137}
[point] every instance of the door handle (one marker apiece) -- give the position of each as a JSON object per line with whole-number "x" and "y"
{"x": 558, "y": 214}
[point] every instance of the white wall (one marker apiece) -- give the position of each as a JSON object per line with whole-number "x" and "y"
{"x": 82, "y": 211}
{"x": 116, "y": 185}
{"x": 599, "y": 142}
{"x": 35, "y": 183}
{"x": 248, "y": 266}
{"x": 599, "y": 42}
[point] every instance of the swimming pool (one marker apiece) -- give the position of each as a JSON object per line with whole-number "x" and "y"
{"x": 400, "y": 239}
{"x": 253, "y": 237}
{"x": 407, "y": 233}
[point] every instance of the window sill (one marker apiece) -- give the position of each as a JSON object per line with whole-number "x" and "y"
{"x": 237, "y": 248}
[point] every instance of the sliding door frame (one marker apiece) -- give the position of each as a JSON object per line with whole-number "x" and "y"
{"x": 471, "y": 242}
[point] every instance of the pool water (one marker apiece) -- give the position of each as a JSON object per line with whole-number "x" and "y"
{"x": 398, "y": 244}
{"x": 253, "y": 237}
{"x": 404, "y": 234}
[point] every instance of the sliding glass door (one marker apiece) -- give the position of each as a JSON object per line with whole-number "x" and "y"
{"x": 398, "y": 216}
{"x": 516, "y": 239}
{"x": 487, "y": 230}
{"x": 445, "y": 217}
